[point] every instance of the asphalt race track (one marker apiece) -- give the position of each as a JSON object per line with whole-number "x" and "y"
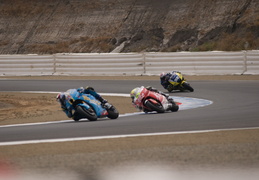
{"x": 235, "y": 105}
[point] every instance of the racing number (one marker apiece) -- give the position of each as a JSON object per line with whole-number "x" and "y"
{"x": 175, "y": 78}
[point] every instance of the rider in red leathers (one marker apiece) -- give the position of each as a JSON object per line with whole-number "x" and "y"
{"x": 134, "y": 94}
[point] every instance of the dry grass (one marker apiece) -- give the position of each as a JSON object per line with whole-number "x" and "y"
{"x": 235, "y": 42}
{"x": 231, "y": 42}
{"x": 78, "y": 45}
{"x": 17, "y": 8}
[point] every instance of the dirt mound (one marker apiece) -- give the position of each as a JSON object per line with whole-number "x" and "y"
{"x": 18, "y": 108}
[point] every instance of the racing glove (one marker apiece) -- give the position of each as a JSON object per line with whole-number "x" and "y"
{"x": 151, "y": 89}
{"x": 105, "y": 104}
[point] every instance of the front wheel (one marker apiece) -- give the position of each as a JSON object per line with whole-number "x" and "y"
{"x": 187, "y": 86}
{"x": 86, "y": 113}
{"x": 155, "y": 107}
{"x": 112, "y": 113}
{"x": 174, "y": 107}
{"x": 170, "y": 88}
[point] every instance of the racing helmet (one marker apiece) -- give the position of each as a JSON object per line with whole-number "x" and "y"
{"x": 80, "y": 90}
{"x": 58, "y": 97}
{"x": 134, "y": 92}
{"x": 162, "y": 75}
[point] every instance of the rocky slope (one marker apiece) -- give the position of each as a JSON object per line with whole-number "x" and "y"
{"x": 44, "y": 27}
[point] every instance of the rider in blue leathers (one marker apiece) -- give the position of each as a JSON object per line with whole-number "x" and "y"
{"x": 62, "y": 97}
{"x": 164, "y": 78}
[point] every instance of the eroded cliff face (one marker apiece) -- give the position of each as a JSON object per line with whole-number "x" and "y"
{"x": 43, "y": 27}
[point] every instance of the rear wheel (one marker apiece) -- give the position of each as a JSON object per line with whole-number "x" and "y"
{"x": 86, "y": 113}
{"x": 187, "y": 87}
{"x": 155, "y": 107}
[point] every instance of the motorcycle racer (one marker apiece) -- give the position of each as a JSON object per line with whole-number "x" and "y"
{"x": 164, "y": 78}
{"x": 134, "y": 94}
{"x": 63, "y": 97}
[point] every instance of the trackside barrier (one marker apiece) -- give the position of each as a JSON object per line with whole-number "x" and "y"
{"x": 99, "y": 64}
{"x": 252, "y": 62}
{"x": 26, "y": 65}
{"x": 189, "y": 63}
{"x": 200, "y": 63}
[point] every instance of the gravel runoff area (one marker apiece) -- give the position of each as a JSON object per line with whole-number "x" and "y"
{"x": 211, "y": 155}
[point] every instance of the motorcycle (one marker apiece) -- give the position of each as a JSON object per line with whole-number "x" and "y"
{"x": 177, "y": 82}
{"x": 150, "y": 101}
{"x": 87, "y": 106}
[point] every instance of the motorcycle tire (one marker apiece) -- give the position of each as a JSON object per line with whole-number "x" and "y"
{"x": 187, "y": 87}
{"x": 76, "y": 117}
{"x": 86, "y": 113}
{"x": 174, "y": 107}
{"x": 155, "y": 107}
{"x": 170, "y": 88}
{"x": 112, "y": 113}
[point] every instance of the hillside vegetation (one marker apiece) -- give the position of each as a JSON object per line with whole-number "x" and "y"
{"x": 83, "y": 26}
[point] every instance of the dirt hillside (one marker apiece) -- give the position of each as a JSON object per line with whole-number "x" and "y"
{"x": 43, "y": 27}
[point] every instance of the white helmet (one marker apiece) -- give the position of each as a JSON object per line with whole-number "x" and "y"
{"x": 60, "y": 96}
{"x": 162, "y": 75}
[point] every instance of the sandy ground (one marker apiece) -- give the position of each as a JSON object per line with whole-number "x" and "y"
{"x": 234, "y": 150}
{"x": 18, "y": 108}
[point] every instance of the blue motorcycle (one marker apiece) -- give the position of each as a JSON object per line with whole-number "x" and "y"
{"x": 87, "y": 106}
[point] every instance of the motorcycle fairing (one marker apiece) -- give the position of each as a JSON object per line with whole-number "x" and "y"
{"x": 88, "y": 100}
{"x": 153, "y": 97}
{"x": 176, "y": 79}
{"x": 95, "y": 104}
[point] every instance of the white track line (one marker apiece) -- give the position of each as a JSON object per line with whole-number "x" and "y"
{"x": 116, "y": 136}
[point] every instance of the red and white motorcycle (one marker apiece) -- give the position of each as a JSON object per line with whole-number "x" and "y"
{"x": 149, "y": 101}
